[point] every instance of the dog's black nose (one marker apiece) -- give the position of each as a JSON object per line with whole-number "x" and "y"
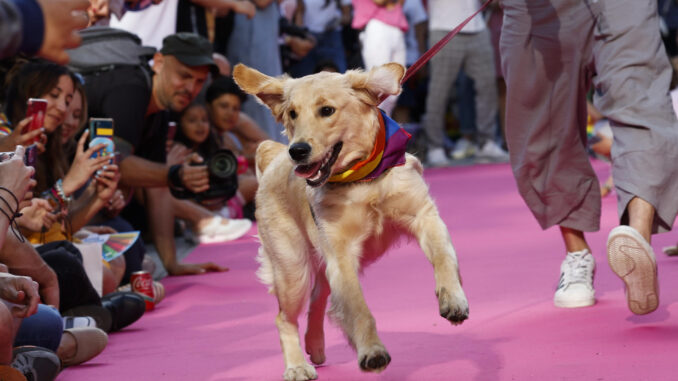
{"x": 300, "y": 151}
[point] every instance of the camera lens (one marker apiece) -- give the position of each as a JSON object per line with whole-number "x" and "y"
{"x": 223, "y": 164}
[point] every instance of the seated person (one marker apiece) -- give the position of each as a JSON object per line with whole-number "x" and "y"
{"x": 195, "y": 135}
{"x": 141, "y": 113}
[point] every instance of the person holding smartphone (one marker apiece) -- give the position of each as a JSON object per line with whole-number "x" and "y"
{"x": 141, "y": 114}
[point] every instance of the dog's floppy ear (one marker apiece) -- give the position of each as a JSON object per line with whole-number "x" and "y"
{"x": 268, "y": 90}
{"x": 380, "y": 81}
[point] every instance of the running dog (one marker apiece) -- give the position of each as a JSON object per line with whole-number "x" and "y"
{"x": 335, "y": 199}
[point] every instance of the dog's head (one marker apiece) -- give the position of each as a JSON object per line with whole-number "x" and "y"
{"x": 330, "y": 119}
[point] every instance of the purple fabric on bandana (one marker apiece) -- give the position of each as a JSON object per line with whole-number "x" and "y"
{"x": 394, "y": 149}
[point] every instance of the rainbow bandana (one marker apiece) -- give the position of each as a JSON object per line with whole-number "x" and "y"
{"x": 389, "y": 151}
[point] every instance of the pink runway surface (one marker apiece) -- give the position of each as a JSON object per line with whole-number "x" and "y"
{"x": 221, "y": 326}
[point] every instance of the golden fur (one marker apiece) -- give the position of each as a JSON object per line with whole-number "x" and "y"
{"x": 320, "y": 234}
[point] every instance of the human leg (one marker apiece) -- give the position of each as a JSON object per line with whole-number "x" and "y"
{"x": 546, "y": 111}
{"x": 632, "y": 90}
{"x": 480, "y": 67}
{"x": 7, "y": 333}
{"x": 444, "y": 69}
{"x": 42, "y": 329}
{"x": 545, "y": 130}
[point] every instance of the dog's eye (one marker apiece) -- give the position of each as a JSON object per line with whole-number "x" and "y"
{"x": 326, "y": 111}
{"x": 293, "y": 114}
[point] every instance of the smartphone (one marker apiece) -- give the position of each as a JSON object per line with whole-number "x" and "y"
{"x": 171, "y": 130}
{"x": 36, "y": 108}
{"x": 31, "y": 156}
{"x": 101, "y": 131}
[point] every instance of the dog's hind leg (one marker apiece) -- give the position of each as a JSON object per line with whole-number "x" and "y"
{"x": 315, "y": 334}
{"x": 434, "y": 239}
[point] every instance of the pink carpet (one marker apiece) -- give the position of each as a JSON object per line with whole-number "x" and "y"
{"x": 221, "y": 326}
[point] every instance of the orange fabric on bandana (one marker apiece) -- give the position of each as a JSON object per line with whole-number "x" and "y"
{"x": 365, "y": 167}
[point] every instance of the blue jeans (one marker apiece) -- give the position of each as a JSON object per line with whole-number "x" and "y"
{"x": 43, "y": 329}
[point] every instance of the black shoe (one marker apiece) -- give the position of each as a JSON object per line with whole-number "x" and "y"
{"x": 36, "y": 363}
{"x": 102, "y": 316}
{"x": 125, "y": 307}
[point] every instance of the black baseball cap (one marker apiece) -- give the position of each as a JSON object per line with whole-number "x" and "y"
{"x": 190, "y": 49}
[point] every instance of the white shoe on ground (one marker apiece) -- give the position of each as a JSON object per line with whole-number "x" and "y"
{"x": 575, "y": 288}
{"x": 492, "y": 152}
{"x": 633, "y": 260}
{"x": 463, "y": 148}
{"x": 436, "y": 158}
{"x": 217, "y": 231}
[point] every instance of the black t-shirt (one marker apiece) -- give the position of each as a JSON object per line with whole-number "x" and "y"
{"x": 124, "y": 94}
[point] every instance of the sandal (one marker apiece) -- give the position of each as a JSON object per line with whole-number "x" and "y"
{"x": 89, "y": 342}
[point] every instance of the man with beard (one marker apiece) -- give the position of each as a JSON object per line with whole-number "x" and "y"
{"x": 141, "y": 113}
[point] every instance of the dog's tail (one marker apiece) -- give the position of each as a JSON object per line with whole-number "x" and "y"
{"x": 266, "y": 152}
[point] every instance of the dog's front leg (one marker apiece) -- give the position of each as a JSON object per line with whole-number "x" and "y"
{"x": 315, "y": 333}
{"x": 434, "y": 239}
{"x": 350, "y": 310}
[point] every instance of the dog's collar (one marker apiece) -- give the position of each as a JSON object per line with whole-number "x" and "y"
{"x": 388, "y": 152}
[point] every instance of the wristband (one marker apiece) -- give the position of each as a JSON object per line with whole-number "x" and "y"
{"x": 174, "y": 177}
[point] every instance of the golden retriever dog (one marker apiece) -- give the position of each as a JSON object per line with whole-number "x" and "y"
{"x": 321, "y": 220}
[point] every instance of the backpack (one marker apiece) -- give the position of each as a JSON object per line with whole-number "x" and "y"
{"x": 104, "y": 48}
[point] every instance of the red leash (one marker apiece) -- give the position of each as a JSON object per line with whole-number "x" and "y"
{"x": 439, "y": 45}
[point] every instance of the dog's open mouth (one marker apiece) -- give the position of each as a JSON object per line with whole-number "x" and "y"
{"x": 317, "y": 173}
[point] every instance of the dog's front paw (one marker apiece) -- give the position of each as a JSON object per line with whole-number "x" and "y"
{"x": 452, "y": 308}
{"x": 300, "y": 373}
{"x": 375, "y": 359}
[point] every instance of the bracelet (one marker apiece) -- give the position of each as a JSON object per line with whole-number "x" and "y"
{"x": 174, "y": 177}
{"x": 15, "y": 214}
{"x": 59, "y": 187}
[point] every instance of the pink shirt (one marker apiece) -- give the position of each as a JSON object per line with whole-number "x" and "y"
{"x": 366, "y": 10}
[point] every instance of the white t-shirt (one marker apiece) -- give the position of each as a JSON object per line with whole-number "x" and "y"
{"x": 447, "y": 14}
{"x": 152, "y": 24}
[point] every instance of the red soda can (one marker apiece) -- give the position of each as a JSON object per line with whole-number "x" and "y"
{"x": 142, "y": 284}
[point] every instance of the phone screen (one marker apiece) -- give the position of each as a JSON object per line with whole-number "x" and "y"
{"x": 36, "y": 108}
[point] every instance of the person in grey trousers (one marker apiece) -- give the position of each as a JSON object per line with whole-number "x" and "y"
{"x": 552, "y": 50}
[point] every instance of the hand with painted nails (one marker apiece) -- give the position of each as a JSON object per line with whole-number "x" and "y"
{"x": 84, "y": 166}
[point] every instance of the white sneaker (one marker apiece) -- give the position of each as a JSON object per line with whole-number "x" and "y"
{"x": 575, "y": 288}
{"x": 463, "y": 148}
{"x": 217, "y": 231}
{"x": 492, "y": 152}
{"x": 633, "y": 260}
{"x": 436, "y": 158}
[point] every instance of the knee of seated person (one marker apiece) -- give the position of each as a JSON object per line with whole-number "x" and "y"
{"x": 6, "y": 324}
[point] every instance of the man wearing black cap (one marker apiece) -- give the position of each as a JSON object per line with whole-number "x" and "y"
{"x": 141, "y": 116}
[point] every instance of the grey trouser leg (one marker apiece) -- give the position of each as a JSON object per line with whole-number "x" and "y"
{"x": 548, "y": 53}
{"x": 474, "y": 53}
{"x": 632, "y": 90}
{"x": 543, "y": 53}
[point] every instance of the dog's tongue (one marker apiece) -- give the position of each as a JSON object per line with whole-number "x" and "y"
{"x": 308, "y": 170}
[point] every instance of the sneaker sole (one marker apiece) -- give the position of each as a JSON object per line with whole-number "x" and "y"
{"x": 574, "y": 304}
{"x": 632, "y": 259}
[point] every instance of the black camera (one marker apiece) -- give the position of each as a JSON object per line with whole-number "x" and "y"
{"x": 222, "y": 168}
